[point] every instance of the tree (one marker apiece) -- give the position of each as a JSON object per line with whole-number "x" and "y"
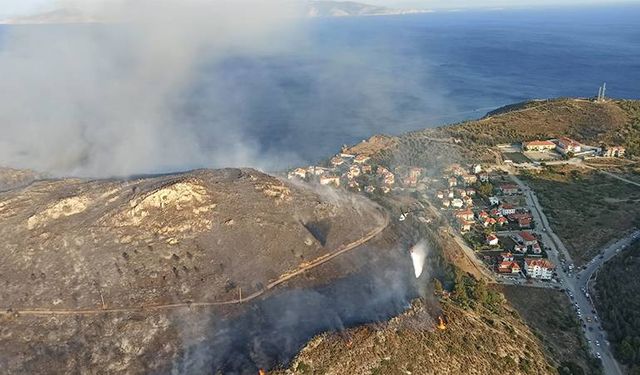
{"x": 437, "y": 286}
{"x": 486, "y": 189}
{"x": 480, "y": 292}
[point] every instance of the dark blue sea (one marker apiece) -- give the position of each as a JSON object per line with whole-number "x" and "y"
{"x": 355, "y": 77}
{"x": 395, "y": 74}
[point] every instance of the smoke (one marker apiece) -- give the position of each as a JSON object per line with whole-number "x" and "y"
{"x": 172, "y": 85}
{"x": 271, "y": 331}
{"x": 111, "y": 99}
{"x": 418, "y": 256}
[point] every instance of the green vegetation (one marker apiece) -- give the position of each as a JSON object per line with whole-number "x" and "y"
{"x": 585, "y": 208}
{"x": 631, "y": 132}
{"x": 471, "y": 293}
{"x": 617, "y": 291}
{"x": 549, "y": 314}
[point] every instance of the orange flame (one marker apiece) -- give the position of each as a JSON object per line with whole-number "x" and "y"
{"x": 441, "y": 325}
{"x": 262, "y": 372}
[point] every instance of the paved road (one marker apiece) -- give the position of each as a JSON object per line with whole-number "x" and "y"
{"x": 192, "y": 304}
{"x": 574, "y": 283}
{"x": 582, "y": 297}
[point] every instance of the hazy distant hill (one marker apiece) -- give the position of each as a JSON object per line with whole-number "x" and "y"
{"x": 313, "y": 9}
{"x": 351, "y": 9}
{"x": 58, "y": 16}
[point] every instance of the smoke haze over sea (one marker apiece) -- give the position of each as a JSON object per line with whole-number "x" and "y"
{"x": 166, "y": 95}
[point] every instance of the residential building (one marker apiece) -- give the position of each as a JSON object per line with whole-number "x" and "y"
{"x": 507, "y": 209}
{"x": 469, "y": 179}
{"x": 354, "y": 171}
{"x": 330, "y": 180}
{"x": 492, "y": 240}
{"x": 524, "y": 222}
{"x": 539, "y": 146}
{"x": 536, "y": 268}
{"x": 494, "y": 201}
{"x": 519, "y": 248}
{"x": 614, "y": 152}
{"x": 317, "y": 171}
{"x": 466, "y": 214}
{"x": 353, "y": 185}
{"x": 336, "y": 161}
{"x": 508, "y": 267}
{"x": 566, "y": 145}
{"x": 468, "y": 201}
{"x": 536, "y": 249}
{"x": 457, "y": 203}
{"x": 506, "y": 257}
{"x": 489, "y": 221}
{"x": 526, "y": 238}
{"x": 361, "y": 159}
{"x": 452, "y": 181}
{"x": 465, "y": 225}
{"x": 476, "y": 168}
{"x": 298, "y": 173}
{"x": 483, "y": 177}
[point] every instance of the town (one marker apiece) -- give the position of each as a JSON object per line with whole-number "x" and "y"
{"x": 489, "y": 211}
{"x": 483, "y": 204}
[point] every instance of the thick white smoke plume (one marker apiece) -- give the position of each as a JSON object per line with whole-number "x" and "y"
{"x": 102, "y": 99}
{"x": 418, "y": 256}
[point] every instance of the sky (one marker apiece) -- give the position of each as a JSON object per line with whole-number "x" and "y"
{"x": 11, "y": 8}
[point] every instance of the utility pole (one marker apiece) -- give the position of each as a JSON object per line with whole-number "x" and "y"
{"x": 599, "y": 93}
{"x": 240, "y": 293}
{"x": 604, "y": 89}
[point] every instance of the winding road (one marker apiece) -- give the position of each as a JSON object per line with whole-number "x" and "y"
{"x": 575, "y": 283}
{"x": 155, "y": 307}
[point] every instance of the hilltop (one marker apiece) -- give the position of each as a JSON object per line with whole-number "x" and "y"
{"x": 614, "y": 122}
{"x": 206, "y": 236}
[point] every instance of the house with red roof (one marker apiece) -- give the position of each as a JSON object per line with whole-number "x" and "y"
{"x": 465, "y": 215}
{"x": 492, "y": 240}
{"x": 518, "y": 248}
{"x": 489, "y": 221}
{"x": 506, "y": 257}
{"x": 566, "y": 145}
{"x": 507, "y": 209}
{"x": 525, "y": 222}
{"x": 526, "y": 238}
{"x": 465, "y": 225}
{"x": 536, "y": 268}
{"x": 508, "y": 267}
